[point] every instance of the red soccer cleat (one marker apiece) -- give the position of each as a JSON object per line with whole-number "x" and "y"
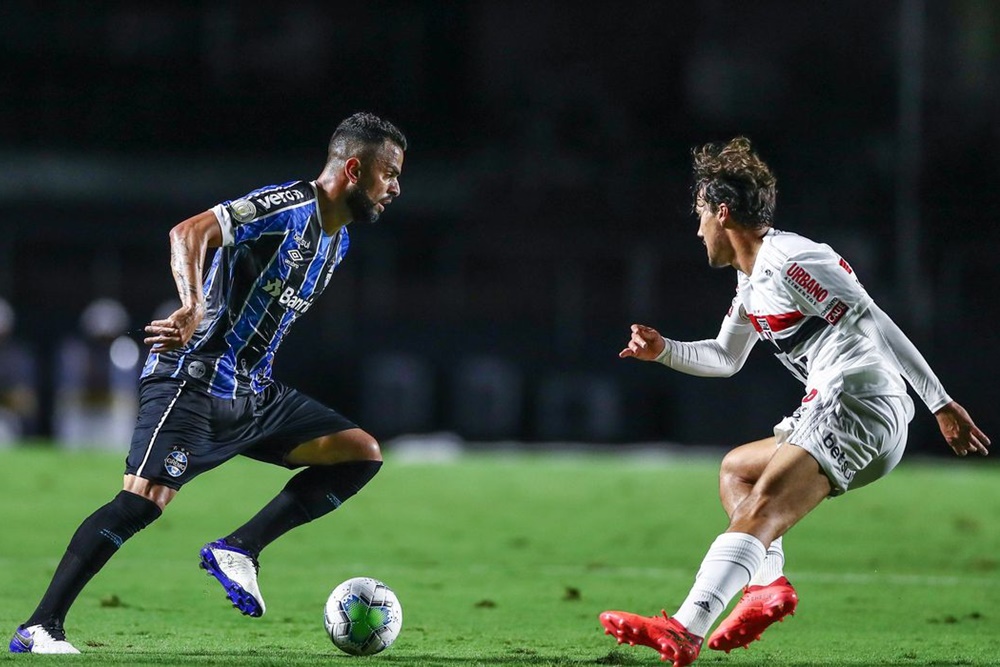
{"x": 666, "y": 635}
{"x": 759, "y": 607}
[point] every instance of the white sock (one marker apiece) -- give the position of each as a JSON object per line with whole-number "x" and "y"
{"x": 773, "y": 567}
{"x": 727, "y": 568}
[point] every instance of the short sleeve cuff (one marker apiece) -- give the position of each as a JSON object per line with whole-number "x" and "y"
{"x": 225, "y": 224}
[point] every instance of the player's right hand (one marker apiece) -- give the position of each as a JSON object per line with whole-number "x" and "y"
{"x": 175, "y": 331}
{"x": 646, "y": 343}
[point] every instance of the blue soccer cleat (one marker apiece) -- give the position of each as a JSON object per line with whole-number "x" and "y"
{"x": 38, "y": 639}
{"x": 236, "y": 570}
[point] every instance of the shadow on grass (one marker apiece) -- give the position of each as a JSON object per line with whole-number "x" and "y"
{"x": 514, "y": 658}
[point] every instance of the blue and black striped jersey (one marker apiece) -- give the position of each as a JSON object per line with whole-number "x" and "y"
{"x": 275, "y": 260}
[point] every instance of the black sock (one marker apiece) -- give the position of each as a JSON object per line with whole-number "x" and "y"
{"x": 308, "y": 495}
{"x": 94, "y": 543}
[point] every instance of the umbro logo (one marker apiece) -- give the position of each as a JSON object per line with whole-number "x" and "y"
{"x": 273, "y": 287}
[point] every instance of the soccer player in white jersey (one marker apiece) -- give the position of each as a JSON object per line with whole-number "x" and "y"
{"x": 850, "y": 429}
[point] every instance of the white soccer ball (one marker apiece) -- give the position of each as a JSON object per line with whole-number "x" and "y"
{"x": 363, "y": 616}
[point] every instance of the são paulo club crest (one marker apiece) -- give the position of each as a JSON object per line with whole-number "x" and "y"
{"x": 176, "y": 462}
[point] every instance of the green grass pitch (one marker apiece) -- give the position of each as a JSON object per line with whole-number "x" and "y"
{"x": 508, "y": 560}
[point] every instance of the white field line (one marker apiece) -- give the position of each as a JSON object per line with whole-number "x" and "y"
{"x": 662, "y": 573}
{"x": 649, "y": 573}
{"x": 853, "y": 578}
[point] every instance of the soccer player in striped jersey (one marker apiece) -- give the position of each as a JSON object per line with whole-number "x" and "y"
{"x": 849, "y": 430}
{"x": 207, "y": 394}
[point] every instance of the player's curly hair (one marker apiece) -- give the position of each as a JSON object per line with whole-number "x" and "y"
{"x": 364, "y": 130}
{"x": 732, "y": 173}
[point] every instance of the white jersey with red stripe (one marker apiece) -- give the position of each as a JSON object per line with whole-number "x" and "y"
{"x": 805, "y": 300}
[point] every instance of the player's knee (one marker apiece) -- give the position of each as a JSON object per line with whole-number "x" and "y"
{"x": 358, "y": 446}
{"x": 343, "y": 447}
{"x": 368, "y": 449}
{"x": 139, "y": 511}
{"x": 730, "y": 465}
{"x": 735, "y": 468}
{"x": 155, "y": 493}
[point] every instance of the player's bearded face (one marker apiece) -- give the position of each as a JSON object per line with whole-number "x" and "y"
{"x": 377, "y": 184}
{"x": 361, "y": 206}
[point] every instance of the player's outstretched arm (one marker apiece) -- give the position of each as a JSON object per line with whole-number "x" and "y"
{"x": 721, "y": 356}
{"x": 646, "y": 344}
{"x": 959, "y": 431}
{"x": 189, "y": 241}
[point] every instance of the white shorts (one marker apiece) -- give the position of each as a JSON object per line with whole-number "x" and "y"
{"x": 855, "y": 440}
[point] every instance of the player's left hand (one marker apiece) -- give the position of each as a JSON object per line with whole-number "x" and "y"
{"x": 959, "y": 431}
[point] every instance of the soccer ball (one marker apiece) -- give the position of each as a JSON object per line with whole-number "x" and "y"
{"x": 363, "y": 616}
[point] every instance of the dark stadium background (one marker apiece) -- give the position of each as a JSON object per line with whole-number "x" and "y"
{"x": 545, "y": 196}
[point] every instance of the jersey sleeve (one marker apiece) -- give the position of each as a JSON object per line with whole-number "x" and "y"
{"x": 242, "y": 220}
{"x": 722, "y": 356}
{"x": 225, "y": 217}
{"x": 890, "y": 339}
{"x": 821, "y": 283}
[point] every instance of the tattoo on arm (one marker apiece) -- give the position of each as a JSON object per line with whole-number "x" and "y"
{"x": 186, "y": 267}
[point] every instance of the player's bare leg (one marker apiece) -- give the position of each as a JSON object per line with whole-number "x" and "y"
{"x": 789, "y": 487}
{"x": 769, "y": 597}
{"x": 351, "y": 445}
{"x": 741, "y": 468}
{"x": 155, "y": 493}
{"x": 339, "y": 464}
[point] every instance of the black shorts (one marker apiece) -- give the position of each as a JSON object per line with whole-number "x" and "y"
{"x": 182, "y": 432}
